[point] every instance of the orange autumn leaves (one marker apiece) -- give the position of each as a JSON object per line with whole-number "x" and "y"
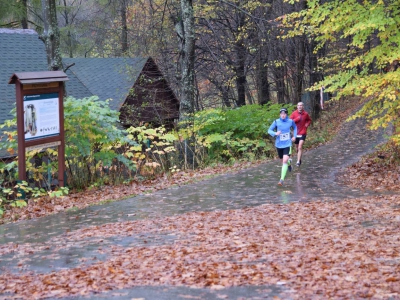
{"x": 347, "y": 249}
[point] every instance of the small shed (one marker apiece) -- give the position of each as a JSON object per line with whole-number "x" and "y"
{"x": 136, "y": 87}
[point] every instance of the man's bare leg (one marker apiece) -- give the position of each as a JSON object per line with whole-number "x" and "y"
{"x": 299, "y": 152}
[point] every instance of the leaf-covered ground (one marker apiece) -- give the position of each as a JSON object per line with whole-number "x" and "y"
{"x": 318, "y": 250}
{"x": 379, "y": 171}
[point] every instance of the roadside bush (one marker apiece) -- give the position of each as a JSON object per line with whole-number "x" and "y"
{"x": 94, "y": 145}
{"x": 230, "y": 135}
{"x": 153, "y": 150}
{"x": 91, "y": 139}
{"x": 97, "y": 152}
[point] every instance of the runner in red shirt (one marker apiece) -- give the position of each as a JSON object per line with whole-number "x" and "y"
{"x": 302, "y": 120}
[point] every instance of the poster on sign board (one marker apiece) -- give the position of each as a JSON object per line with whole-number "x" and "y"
{"x": 41, "y": 116}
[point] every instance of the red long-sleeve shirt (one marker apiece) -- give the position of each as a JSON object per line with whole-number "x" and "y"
{"x": 302, "y": 121}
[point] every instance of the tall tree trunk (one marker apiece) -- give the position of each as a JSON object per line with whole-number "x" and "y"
{"x": 315, "y": 76}
{"x": 185, "y": 29}
{"x": 240, "y": 51}
{"x": 69, "y": 36}
{"x": 300, "y": 63}
{"x": 124, "y": 33}
{"x": 240, "y": 74}
{"x": 51, "y": 35}
{"x": 300, "y": 44}
{"x": 280, "y": 83}
{"x": 263, "y": 82}
{"x": 262, "y": 76}
{"x": 24, "y": 19}
{"x": 225, "y": 96}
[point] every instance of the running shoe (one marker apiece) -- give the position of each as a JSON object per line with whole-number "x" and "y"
{"x": 280, "y": 182}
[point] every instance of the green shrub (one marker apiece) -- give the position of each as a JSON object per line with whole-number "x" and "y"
{"x": 94, "y": 145}
{"x": 153, "y": 150}
{"x": 227, "y": 135}
{"x": 97, "y": 151}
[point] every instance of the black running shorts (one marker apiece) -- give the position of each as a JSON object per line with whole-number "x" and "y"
{"x": 300, "y": 137}
{"x": 283, "y": 151}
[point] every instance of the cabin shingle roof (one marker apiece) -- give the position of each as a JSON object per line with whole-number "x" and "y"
{"x": 108, "y": 78}
{"x": 20, "y": 51}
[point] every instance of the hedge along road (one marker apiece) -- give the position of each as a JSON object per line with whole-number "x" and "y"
{"x": 314, "y": 180}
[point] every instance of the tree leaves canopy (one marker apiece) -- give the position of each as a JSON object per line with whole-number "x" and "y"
{"x": 363, "y": 39}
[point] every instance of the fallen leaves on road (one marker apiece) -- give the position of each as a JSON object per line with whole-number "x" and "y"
{"x": 346, "y": 249}
{"x": 77, "y": 200}
{"x": 378, "y": 171}
{"x": 319, "y": 250}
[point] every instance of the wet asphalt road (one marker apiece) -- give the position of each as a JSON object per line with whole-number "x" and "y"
{"x": 315, "y": 180}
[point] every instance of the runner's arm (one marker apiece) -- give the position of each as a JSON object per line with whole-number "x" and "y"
{"x": 294, "y": 129}
{"x": 294, "y": 118}
{"x": 271, "y": 129}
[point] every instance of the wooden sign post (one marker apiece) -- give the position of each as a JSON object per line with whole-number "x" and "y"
{"x": 40, "y": 115}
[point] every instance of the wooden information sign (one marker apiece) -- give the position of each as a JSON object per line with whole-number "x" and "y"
{"x": 40, "y": 115}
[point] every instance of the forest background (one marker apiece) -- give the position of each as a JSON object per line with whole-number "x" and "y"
{"x": 231, "y": 64}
